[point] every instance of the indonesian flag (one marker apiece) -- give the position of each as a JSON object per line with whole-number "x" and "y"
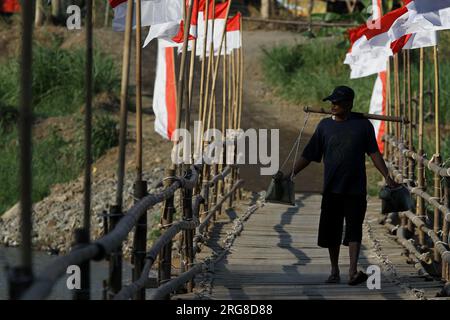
{"x": 216, "y": 19}
{"x": 425, "y": 15}
{"x": 173, "y": 31}
{"x": 153, "y": 12}
{"x": 371, "y": 47}
{"x": 233, "y": 35}
{"x": 9, "y": 6}
{"x": 165, "y": 93}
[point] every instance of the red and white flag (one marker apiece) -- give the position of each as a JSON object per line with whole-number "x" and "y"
{"x": 424, "y": 15}
{"x": 233, "y": 35}
{"x": 371, "y": 47}
{"x": 165, "y": 93}
{"x": 215, "y": 20}
{"x": 173, "y": 31}
{"x": 153, "y": 12}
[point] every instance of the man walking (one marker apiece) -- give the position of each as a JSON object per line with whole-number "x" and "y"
{"x": 342, "y": 141}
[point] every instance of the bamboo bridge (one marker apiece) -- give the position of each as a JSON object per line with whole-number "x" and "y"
{"x": 233, "y": 247}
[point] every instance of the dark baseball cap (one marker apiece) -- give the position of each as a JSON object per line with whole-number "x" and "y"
{"x": 341, "y": 93}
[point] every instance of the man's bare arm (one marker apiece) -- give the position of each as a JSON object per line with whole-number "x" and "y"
{"x": 379, "y": 163}
{"x": 301, "y": 164}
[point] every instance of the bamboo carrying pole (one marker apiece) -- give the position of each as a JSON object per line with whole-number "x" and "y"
{"x": 420, "y": 168}
{"x": 365, "y": 115}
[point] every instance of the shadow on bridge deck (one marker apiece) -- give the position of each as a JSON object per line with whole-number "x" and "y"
{"x": 276, "y": 257}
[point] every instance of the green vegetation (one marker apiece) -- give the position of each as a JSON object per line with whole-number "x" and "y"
{"x": 58, "y": 84}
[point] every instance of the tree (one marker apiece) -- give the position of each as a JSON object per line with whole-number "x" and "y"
{"x": 39, "y": 15}
{"x": 265, "y": 9}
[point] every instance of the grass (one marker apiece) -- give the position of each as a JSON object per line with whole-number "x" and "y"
{"x": 58, "y": 90}
{"x": 58, "y": 79}
{"x": 307, "y": 72}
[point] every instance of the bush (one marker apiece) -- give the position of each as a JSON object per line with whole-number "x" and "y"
{"x": 105, "y": 135}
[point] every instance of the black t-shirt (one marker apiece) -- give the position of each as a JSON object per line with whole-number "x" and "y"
{"x": 343, "y": 146}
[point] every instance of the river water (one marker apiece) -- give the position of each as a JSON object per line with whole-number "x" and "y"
{"x": 99, "y": 272}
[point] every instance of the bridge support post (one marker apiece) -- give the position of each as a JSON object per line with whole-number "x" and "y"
{"x": 19, "y": 280}
{"x": 115, "y": 259}
{"x": 165, "y": 257}
{"x": 140, "y": 238}
{"x": 445, "y": 231}
{"x": 81, "y": 239}
{"x": 188, "y": 234}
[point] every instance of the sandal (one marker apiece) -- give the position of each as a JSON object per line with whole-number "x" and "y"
{"x": 359, "y": 278}
{"x": 334, "y": 278}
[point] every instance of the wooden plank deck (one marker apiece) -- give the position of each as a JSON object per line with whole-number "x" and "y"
{"x": 276, "y": 257}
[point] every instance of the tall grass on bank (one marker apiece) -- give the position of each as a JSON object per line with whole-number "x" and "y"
{"x": 58, "y": 79}
{"x": 58, "y": 90}
{"x": 308, "y": 72}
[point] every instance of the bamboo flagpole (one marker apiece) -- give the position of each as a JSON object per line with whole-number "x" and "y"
{"x": 202, "y": 82}
{"x": 181, "y": 75}
{"x": 437, "y": 154}
{"x": 241, "y": 77}
{"x": 216, "y": 66}
{"x": 124, "y": 102}
{"x": 420, "y": 168}
{"x": 207, "y": 107}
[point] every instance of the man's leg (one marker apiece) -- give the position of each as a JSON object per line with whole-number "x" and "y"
{"x": 354, "y": 218}
{"x": 334, "y": 259}
{"x": 353, "y": 250}
{"x": 330, "y": 231}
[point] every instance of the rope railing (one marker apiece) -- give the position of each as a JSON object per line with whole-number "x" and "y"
{"x": 171, "y": 286}
{"x": 443, "y": 172}
{"x": 440, "y": 246}
{"x": 43, "y": 283}
{"x": 128, "y": 291}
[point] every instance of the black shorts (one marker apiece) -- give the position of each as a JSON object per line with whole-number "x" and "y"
{"x": 336, "y": 208}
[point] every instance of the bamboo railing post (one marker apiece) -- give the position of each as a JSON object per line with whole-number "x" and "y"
{"x": 397, "y": 110}
{"x": 437, "y": 154}
{"x": 20, "y": 277}
{"x": 116, "y": 211}
{"x": 387, "y": 153}
{"x": 165, "y": 257}
{"x": 140, "y": 186}
{"x": 445, "y": 229}
{"x": 85, "y": 268}
{"x": 404, "y": 113}
{"x": 420, "y": 169}
{"x": 411, "y": 162}
{"x": 188, "y": 235}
